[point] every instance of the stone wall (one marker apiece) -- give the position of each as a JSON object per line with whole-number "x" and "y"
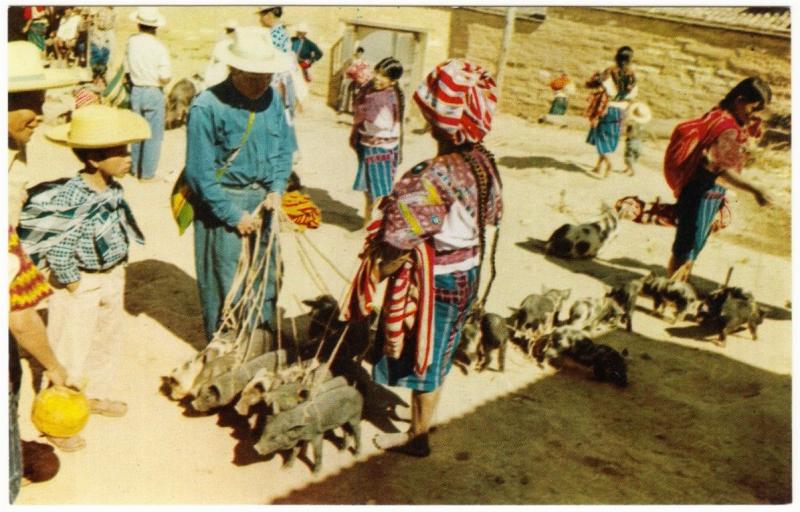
{"x": 683, "y": 69}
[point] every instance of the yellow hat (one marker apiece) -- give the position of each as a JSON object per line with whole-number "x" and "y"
{"x": 27, "y": 73}
{"x": 101, "y": 126}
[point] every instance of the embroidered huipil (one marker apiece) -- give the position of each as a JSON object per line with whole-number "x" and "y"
{"x": 28, "y": 287}
{"x": 217, "y": 121}
{"x": 376, "y": 116}
{"x": 438, "y": 200}
{"x": 75, "y": 227}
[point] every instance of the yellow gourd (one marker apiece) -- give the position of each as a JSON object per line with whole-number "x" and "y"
{"x": 59, "y": 411}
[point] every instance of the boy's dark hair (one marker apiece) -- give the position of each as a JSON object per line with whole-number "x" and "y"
{"x": 84, "y": 154}
{"x": 624, "y": 55}
{"x": 147, "y": 29}
{"x": 750, "y": 90}
{"x": 277, "y": 11}
{"x": 390, "y": 67}
{"x": 359, "y": 50}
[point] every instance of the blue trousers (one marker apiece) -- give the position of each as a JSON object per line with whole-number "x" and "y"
{"x": 216, "y": 254}
{"x": 98, "y": 58}
{"x": 149, "y": 103}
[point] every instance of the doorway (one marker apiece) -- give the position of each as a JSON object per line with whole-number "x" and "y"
{"x": 380, "y": 41}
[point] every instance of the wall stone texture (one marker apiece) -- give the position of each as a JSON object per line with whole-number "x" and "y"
{"x": 683, "y": 70}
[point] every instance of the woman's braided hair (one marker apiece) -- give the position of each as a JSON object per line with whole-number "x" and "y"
{"x": 393, "y": 69}
{"x": 482, "y": 179}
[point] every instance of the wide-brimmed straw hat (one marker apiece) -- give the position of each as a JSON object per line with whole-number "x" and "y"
{"x": 231, "y": 24}
{"x": 639, "y": 112}
{"x": 26, "y": 72}
{"x": 149, "y": 17}
{"x": 301, "y": 27}
{"x": 252, "y": 51}
{"x": 101, "y": 126}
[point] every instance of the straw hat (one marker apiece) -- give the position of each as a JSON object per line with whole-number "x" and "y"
{"x": 27, "y": 73}
{"x": 302, "y": 27}
{"x": 252, "y": 51}
{"x": 149, "y": 17}
{"x": 639, "y": 112}
{"x": 231, "y": 24}
{"x": 101, "y": 126}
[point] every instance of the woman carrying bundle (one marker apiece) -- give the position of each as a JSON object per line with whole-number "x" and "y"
{"x": 703, "y": 150}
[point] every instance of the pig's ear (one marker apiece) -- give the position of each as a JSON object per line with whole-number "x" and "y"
{"x": 624, "y": 352}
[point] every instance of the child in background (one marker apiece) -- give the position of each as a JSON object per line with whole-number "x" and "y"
{"x": 638, "y": 114}
{"x": 562, "y": 86}
{"x": 82, "y": 229}
{"x": 377, "y": 132}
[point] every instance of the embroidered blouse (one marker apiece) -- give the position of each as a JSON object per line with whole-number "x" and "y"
{"x": 438, "y": 200}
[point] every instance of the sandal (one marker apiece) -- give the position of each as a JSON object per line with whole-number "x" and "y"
{"x": 67, "y": 444}
{"x": 112, "y": 408}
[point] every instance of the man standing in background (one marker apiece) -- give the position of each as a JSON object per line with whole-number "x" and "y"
{"x": 307, "y": 52}
{"x": 147, "y": 62}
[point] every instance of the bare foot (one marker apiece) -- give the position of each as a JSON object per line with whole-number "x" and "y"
{"x": 112, "y": 408}
{"x": 387, "y": 441}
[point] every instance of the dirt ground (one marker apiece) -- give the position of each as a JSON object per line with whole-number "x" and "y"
{"x": 699, "y": 424}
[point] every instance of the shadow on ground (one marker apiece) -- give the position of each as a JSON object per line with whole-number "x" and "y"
{"x": 610, "y": 273}
{"x": 335, "y": 212}
{"x": 693, "y": 427}
{"x": 540, "y": 162}
{"x": 167, "y": 294}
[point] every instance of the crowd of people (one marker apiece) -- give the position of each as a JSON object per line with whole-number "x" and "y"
{"x": 69, "y": 36}
{"x": 428, "y": 226}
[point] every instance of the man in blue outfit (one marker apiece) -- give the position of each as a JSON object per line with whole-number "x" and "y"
{"x": 306, "y": 50}
{"x": 239, "y": 122}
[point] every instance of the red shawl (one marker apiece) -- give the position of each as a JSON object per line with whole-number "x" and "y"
{"x": 408, "y": 303}
{"x": 715, "y": 137}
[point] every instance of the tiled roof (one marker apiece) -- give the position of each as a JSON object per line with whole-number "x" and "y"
{"x": 526, "y": 13}
{"x": 765, "y": 20}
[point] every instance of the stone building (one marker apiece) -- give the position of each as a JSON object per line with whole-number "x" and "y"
{"x": 687, "y": 58}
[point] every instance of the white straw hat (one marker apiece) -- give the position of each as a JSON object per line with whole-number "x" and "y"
{"x": 302, "y": 27}
{"x": 639, "y": 112}
{"x": 27, "y": 73}
{"x": 252, "y": 51}
{"x": 101, "y": 126}
{"x": 149, "y": 17}
{"x": 231, "y": 24}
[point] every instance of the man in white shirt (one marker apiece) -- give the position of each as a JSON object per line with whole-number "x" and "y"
{"x": 147, "y": 62}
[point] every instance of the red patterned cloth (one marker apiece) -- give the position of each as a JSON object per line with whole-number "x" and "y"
{"x": 715, "y": 140}
{"x": 665, "y": 214}
{"x": 29, "y": 287}
{"x": 84, "y": 96}
{"x": 459, "y": 98}
{"x": 408, "y": 303}
{"x": 301, "y": 210}
{"x": 559, "y": 82}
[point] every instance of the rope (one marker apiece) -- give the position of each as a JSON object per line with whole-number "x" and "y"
{"x": 325, "y": 258}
